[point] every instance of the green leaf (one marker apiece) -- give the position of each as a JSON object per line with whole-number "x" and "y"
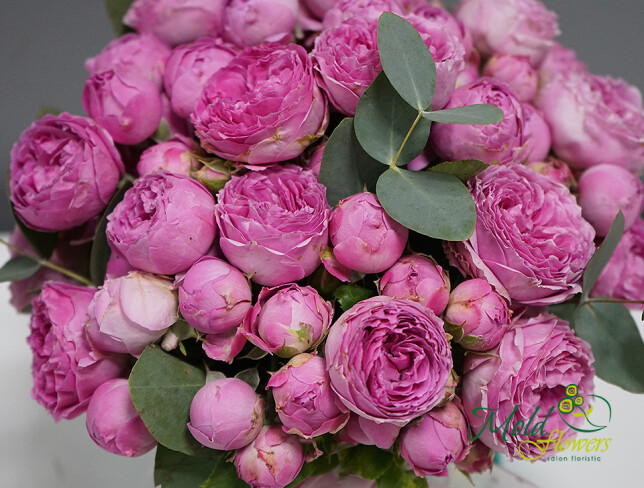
{"x": 18, "y": 268}
{"x": 433, "y": 204}
{"x": 174, "y": 469}
{"x": 162, "y": 388}
{"x": 346, "y": 168}
{"x": 250, "y": 376}
{"x": 406, "y": 60}
{"x": 602, "y": 255}
{"x": 48, "y": 110}
{"x": 616, "y": 342}
{"x": 463, "y": 170}
{"x": 396, "y": 477}
{"x": 100, "y": 253}
{"x": 565, "y": 311}
{"x": 224, "y": 475}
{"x": 43, "y": 243}
{"x": 369, "y": 462}
{"x": 382, "y": 122}
{"x": 319, "y": 466}
{"x": 116, "y": 9}
{"x": 349, "y": 295}
{"x": 478, "y": 114}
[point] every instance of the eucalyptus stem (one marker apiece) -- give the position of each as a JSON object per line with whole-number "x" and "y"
{"x": 411, "y": 129}
{"x": 614, "y": 300}
{"x": 49, "y": 264}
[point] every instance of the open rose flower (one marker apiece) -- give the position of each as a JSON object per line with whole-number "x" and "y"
{"x": 273, "y": 223}
{"x": 251, "y": 22}
{"x": 388, "y": 359}
{"x": 530, "y": 242}
{"x": 174, "y": 156}
{"x": 367, "y": 9}
{"x": 263, "y": 107}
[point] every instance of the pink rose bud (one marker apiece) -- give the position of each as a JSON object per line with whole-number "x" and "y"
{"x": 604, "y": 190}
{"x": 435, "y": 11}
{"x": 276, "y": 470}
{"x": 360, "y": 430}
{"x": 516, "y": 72}
{"x": 132, "y": 55}
{"x": 418, "y": 278}
{"x": 478, "y": 460}
{"x": 555, "y": 170}
{"x": 438, "y": 439}
{"x": 516, "y": 27}
{"x": 188, "y": 69}
{"x": 480, "y": 314}
{"x": 419, "y": 163}
{"x": 252, "y": 22}
{"x": 213, "y": 179}
{"x": 130, "y": 312}
{"x": 364, "y": 237}
{"x": 315, "y": 160}
{"x": 117, "y": 265}
{"x": 537, "y": 133}
{"x": 304, "y": 400}
{"x": 560, "y": 60}
{"x": 64, "y": 170}
{"x": 337, "y": 270}
{"x": 224, "y": 346}
{"x": 282, "y": 243}
{"x": 66, "y": 369}
{"x": 288, "y": 319}
{"x": 502, "y": 142}
{"x": 164, "y": 224}
{"x": 214, "y": 296}
{"x": 113, "y": 422}
{"x": 369, "y": 10}
{"x": 176, "y": 21}
{"x": 128, "y": 108}
{"x": 319, "y": 7}
{"x": 226, "y": 414}
{"x": 263, "y": 107}
{"x": 173, "y": 156}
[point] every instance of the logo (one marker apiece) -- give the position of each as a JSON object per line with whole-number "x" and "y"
{"x": 573, "y": 403}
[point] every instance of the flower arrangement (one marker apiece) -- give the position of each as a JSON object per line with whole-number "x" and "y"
{"x": 312, "y": 243}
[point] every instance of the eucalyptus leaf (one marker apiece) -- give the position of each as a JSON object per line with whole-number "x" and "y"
{"x": 369, "y": 462}
{"x": 18, "y": 268}
{"x": 255, "y": 354}
{"x": 434, "y": 204}
{"x": 321, "y": 465}
{"x": 174, "y": 469}
{"x": 250, "y": 376}
{"x": 162, "y": 388}
{"x": 478, "y": 114}
{"x": 406, "y": 60}
{"x": 382, "y": 122}
{"x": 224, "y": 475}
{"x": 463, "y": 170}
{"x": 349, "y": 295}
{"x": 116, "y": 9}
{"x": 43, "y": 243}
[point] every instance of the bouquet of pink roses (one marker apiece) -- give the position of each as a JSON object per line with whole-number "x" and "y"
{"x": 331, "y": 242}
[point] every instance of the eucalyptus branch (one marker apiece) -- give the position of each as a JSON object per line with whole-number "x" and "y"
{"x": 613, "y": 300}
{"x": 402, "y": 145}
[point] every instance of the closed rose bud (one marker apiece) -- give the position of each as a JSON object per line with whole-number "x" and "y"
{"x": 173, "y": 156}
{"x": 130, "y": 312}
{"x": 516, "y": 72}
{"x": 418, "y": 278}
{"x": 480, "y": 315}
{"x": 560, "y": 59}
{"x": 555, "y": 170}
{"x": 288, "y": 319}
{"x": 360, "y": 430}
{"x": 537, "y": 134}
{"x": 214, "y": 296}
{"x": 304, "y": 400}
{"x": 276, "y": 470}
{"x": 364, "y": 237}
{"x": 113, "y": 422}
{"x": 604, "y": 190}
{"x": 226, "y": 414}
{"x": 252, "y": 22}
{"x": 224, "y": 346}
{"x": 438, "y": 439}
{"x": 479, "y": 459}
{"x": 212, "y": 178}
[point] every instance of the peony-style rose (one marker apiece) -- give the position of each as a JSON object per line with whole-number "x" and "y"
{"x": 176, "y": 21}
{"x": 173, "y": 156}
{"x": 113, "y": 422}
{"x": 560, "y": 59}
{"x": 65, "y": 367}
{"x": 537, "y": 135}
{"x": 288, "y": 320}
{"x": 189, "y": 68}
{"x": 516, "y": 72}
{"x": 252, "y": 22}
{"x": 130, "y": 312}
{"x": 304, "y": 400}
{"x": 438, "y": 439}
{"x": 594, "y": 120}
{"x": 417, "y": 278}
{"x": 162, "y": 212}
{"x": 502, "y": 142}
{"x": 263, "y": 107}
{"x": 523, "y": 379}
{"x": 554, "y": 169}
{"x": 369, "y": 10}
{"x": 132, "y": 55}
{"x": 64, "y": 170}
{"x": 388, "y": 359}
{"x": 517, "y": 27}
{"x": 214, "y": 296}
{"x": 360, "y": 430}
{"x": 273, "y": 223}
{"x": 530, "y": 243}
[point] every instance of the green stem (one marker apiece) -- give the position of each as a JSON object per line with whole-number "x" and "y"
{"x": 49, "y": 264}
{"x": 411, "y": 129}
{"x": 614, "y": 300}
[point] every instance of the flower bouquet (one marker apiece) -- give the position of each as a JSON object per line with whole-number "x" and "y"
{"x": 331, "y": 242}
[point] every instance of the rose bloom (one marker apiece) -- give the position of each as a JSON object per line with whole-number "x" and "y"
{"x": 369, "y": 10}
{"x": 273, "y": 223}
{"x": 594, "y": 120}
{"x": 66, "y": 369}
{"x": 522, "y": 379}
{"x": 360, "y": 430}
{"x": 516, "y": 72}
{"x": 530, "y": 243}
{"x": 251, "y": 22}
{"x": 263, "y": 107}
{"x": 64, "y": 170}
{"x": 537, "y": 135}
{"x": 173, "y": 156}
{"x": 554, "y": 169}
{"x": 224, "y": 346}
{"x": 164, "y": 223}
{"x": 560, "y": 59}
{"x": 388, "y": 359}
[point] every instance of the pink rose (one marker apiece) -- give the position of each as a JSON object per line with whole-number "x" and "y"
{"x": 173, "y": 156}
{"x": 252, "y": 22}
{"x": 516, "y": 72}
{"x": 224, "y": 346}
{"x": 554, "y": 169}
{"x": 560, "y": 59}
{"x": 478, "y": 460}
{"x": 370, "y": 10}
{"x": 537, "y": 135}
{"x": 360, "y": 430}
{"x": 64, "y": 170}
{"x": 263, "y": 107}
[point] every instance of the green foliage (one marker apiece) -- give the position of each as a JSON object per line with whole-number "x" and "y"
{"x": 18, "y": 268}
{"x": 43, "y": 243}
{"x": 224, "y": 475}
{"x": 478, "y": 114}
{"x": 349, "y": 295}
{"x": 369, "y": 462}
{"x": 174, "y": 469}
{"x": 116, "y": 9}
{"x": 463, "y": 170}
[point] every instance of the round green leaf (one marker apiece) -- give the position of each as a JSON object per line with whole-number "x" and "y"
{"x": 18, "y": 268}
{"x": 174, "y": 469}
{"x": 463, "y": 170}
{"x": 479, "y": 114}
